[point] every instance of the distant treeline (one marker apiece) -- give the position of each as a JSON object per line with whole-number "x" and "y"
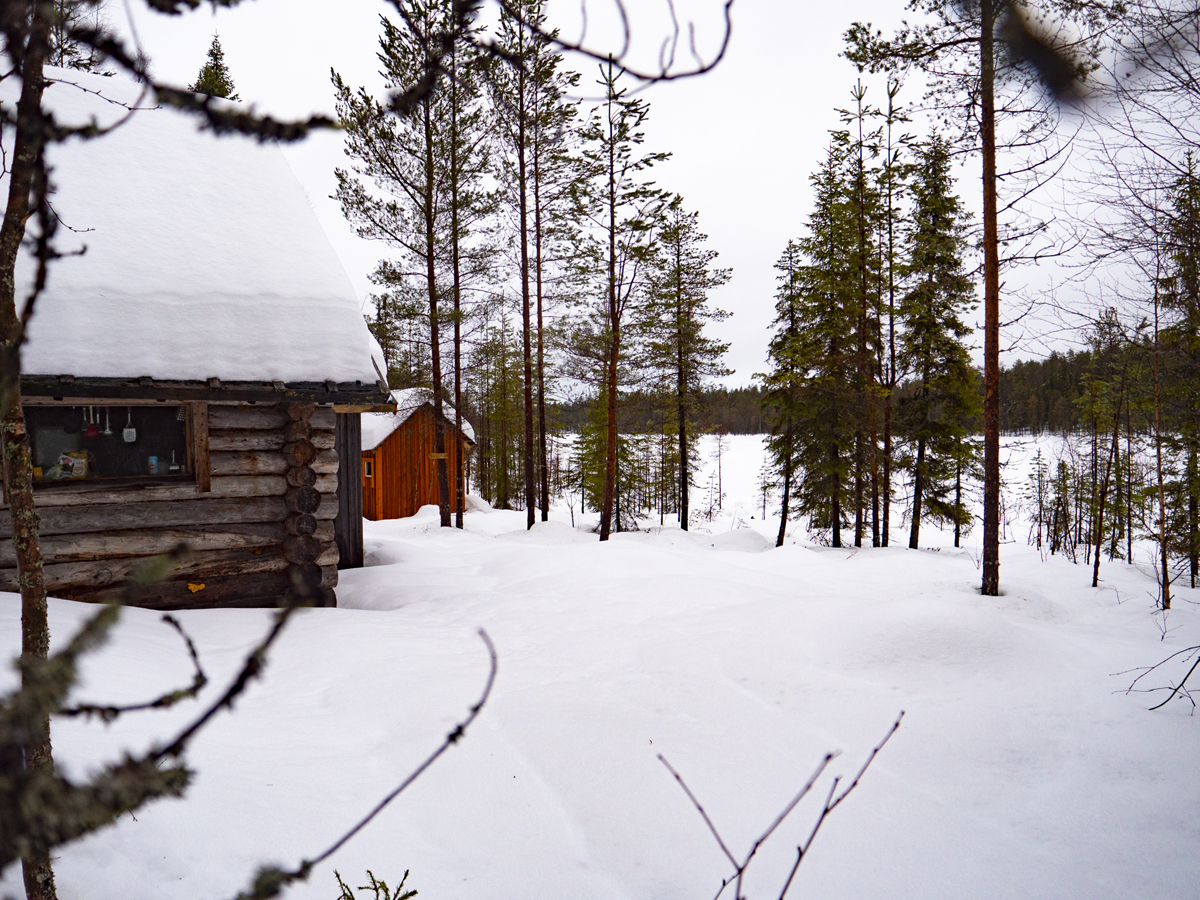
{"x": 1040, "y": 395}
{"x": 737, "y": 411}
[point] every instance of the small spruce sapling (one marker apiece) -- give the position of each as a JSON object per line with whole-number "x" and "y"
{"x": 381, "y": 889}
{"x": 213, "y": 78}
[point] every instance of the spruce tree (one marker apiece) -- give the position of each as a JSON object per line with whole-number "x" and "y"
{"x": 938, "y": 417}
{"x": 214, "y": 78}
{"x": 782, "y": 383}
{"x": 533, "y": 125}
{"x": 672, "y": 319}
{"x": 816, "y": 351}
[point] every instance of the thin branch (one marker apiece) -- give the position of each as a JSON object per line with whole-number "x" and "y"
{"x": 109, "y": 713}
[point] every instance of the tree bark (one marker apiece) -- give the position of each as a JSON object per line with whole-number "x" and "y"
{"x": 526, "y": 343}
{"x": 439, "y": 431}
{"x": 28, "y": 148}
{"x": 787, "y": 488}
{"x": 614, "y": 346}
{"x": 991, "y": 303}
{"x": 681, "y": 401}
{"x": 918, "y": 489}
{"x": 454, "y": 254}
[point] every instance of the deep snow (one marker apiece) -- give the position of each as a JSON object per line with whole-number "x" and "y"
{"x": 1020, "y": 770}
{"x": 203, "y": 258}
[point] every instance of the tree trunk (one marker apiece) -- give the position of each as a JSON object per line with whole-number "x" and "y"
{"x": 543, "y": 455}
{"x": 439, "y": 430}
{"x": 24, "y": 169}
{"x": 526, "y": 348}
{"x": 835, "y": 499}
{"x": 681, "y": 407}
{"x": 991, "y": 303}
{"x": 787, "y": 487}
{"x": 454, "y": 252}
{"x": 1193, "y": 514}
{"x": 1113, "y": 452}
{"x": 958, "y": 505}
{"x": 1158, "y": 465}
{"x": 614, "y": 345}
{"x": 918, "y": 489}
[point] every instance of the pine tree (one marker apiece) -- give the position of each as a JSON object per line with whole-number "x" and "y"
{"x": 622, "y": 207}
{"x": 213, "y": 78}
{"x": 672, "y": 320}
{"x": 938, "y": 417}
{"x": 397, "y": 190}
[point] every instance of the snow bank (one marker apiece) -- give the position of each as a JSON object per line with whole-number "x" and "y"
{"x": 203, "y": 255}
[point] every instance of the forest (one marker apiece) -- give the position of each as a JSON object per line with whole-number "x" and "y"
{"x": 1003, "y": 175}
{"x": 544, "y": 282}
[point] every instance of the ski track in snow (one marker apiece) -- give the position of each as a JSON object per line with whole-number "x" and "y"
{"x": 1020, "y": 770}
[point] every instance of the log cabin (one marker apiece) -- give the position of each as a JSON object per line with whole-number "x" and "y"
{"x": 399, "y": 465}
{"x": 195, "y": 370}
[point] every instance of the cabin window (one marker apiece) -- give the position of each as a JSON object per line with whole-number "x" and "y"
{"x": 368, "y": 468}
{"x": 73, "y": 444}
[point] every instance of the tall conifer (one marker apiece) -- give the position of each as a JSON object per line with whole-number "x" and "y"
{"x": 939, "y": 415}
{"x": 672, "y": 320}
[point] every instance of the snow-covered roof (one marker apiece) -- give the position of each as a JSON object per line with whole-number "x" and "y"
{"x": 203, "y": 255}
{"x": 377, "y": 426}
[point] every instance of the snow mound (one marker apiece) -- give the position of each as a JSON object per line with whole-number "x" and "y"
{"x": 743, "y": 540}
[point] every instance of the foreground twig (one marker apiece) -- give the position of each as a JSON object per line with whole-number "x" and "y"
{"x": 832, "y": 801}
{"x": 1180, "y": 688}
{"x": 109, "y": 713}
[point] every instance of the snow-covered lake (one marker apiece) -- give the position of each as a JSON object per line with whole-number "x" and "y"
{"x": 1021, "y": 770}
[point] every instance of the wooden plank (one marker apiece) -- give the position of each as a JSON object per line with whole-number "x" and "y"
{"x": 327, "y": 484}
{"x": 266, "y": 418}
{"x": 201, "y": 445}
{"x": 116, "y": 572}
{"x": 122, "y": 516}
{"x": 323, "y": 440}
{"x": 104, "y": 545}
{"x": 262, "y": 589}
{"x": 223, "y": 440}
{"x": 329, "y": 556}
{"x": 323, "y": 419}
{"x": 350, "y": 491}
{"x": 252, "y": 462}
{"x": 222, "y": 487}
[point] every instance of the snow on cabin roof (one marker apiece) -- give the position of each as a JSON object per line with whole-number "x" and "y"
{"x": 377, "y": 426}
{"x": 203, "y": 256}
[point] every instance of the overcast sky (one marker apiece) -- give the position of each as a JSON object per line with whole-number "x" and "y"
{"x": 744, "y": 137}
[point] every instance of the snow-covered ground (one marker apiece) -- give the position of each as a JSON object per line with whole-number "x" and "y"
{"x": 1020, "y": 771}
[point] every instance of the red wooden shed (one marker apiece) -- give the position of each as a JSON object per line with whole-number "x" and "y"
{"x": 399, "y": 469}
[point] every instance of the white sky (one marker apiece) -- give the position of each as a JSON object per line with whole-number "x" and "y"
{"x": 744, "y": 137}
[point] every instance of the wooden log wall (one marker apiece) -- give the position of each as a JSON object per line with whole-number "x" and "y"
{"x": 265, "y": 528}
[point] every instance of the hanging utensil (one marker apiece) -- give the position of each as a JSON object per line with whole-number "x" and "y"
{"x": 71, "y": 427}
{"x": 92, "y": 430}
{"x": 130, "y": 433}
{"x": 108, "y": 420}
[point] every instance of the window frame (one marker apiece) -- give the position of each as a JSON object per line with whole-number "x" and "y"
{"x": 195, "y": 441}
